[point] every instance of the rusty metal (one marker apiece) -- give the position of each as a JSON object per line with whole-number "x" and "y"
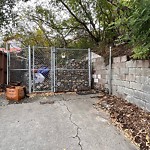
{"x": 3, "y": 68}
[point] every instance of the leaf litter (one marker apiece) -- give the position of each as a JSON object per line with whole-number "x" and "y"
{"x": 129, "y": 118}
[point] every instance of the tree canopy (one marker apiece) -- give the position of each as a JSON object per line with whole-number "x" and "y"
{"x": 5, "y": 11}
{"x": 82, "y": 23}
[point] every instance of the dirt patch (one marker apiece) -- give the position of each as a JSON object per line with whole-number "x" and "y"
{"x": 132, "y": 120}
{"x": 117, "y": 51}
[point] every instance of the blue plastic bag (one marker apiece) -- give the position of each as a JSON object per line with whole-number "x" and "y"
{"x": 44, "y": 71}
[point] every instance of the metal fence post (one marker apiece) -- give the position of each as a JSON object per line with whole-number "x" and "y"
{"x": 54, "y": 68}
{"x": 7, "y": 63}
{"x": 89, "y": 65}
{"x": 30, "y": 83}
{"x": 52, "y": 84}
{"x": 33, "y": 65}
{"x": 110, "y": 70}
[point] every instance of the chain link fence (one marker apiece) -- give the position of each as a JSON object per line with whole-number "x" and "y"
{"x": 73, "y": 70}
{"x": 43, "y": 69}
{"x": 18, "y": 64}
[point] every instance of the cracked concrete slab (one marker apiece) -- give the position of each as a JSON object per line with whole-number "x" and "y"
{"x": 70, "y": 123}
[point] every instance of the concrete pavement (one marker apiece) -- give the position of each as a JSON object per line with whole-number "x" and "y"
{"x": 70, "y": 123}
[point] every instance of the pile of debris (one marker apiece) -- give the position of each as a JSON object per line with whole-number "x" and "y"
{"x": 73, "y": 77}
{"x": 132, "y": 120}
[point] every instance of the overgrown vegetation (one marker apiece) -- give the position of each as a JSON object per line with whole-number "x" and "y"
{"x": 140, "y": 28}
{"x": 85, "y": 23}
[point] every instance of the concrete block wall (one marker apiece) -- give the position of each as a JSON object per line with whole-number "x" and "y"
{"x": 130, "y": 79}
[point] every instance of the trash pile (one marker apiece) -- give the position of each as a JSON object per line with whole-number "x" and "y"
{"x": 73, "y": 77}
{"x": 132, "y": 120}
{"x": 42, "y": 79}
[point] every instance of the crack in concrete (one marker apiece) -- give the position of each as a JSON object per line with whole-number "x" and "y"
{"x": 78, "y": 128}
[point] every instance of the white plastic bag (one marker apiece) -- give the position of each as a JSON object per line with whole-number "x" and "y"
{"x": 39, "y": 78}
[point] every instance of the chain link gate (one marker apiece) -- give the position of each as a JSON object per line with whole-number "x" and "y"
{"x": 45, "y": 69}
{"x": 71, "y": 69}
{"x": 41, "y": 69}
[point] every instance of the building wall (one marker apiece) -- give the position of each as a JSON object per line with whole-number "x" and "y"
{"x": 3, "y": 68}
{"x": 129, "y": 80}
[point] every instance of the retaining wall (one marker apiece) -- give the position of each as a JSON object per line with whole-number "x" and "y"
{"x": 130, "y": 79}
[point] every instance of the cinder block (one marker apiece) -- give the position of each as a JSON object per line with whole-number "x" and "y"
{"x": 121, "y": 65}
{"x": 146, "y": 63}
{"x": 138, "y": 72}
{"x": 148, "y": 80}
{"x": 136, "y": 86}
{"x": 132, "y": 70}
{"x": 103, "y": 81}
{"x": 93, "y": 60}
{"x": 99, "y": 60}
{"x": 103, "y": 76}
{"x": 121, "y": 89}
{"x": 115, "y": 77}
{"x": 124, "y": 71}
{"x": 138, "y": 79}
{"x": 122, "y": 77}
{"x": 139, "y": 95}
{"x": 113, "y": 66}
{"x": 143, "y": 63}
{"x": 115, "y": 71}
{"x": 136, "y": 101}
{"x": 147, "y": 97}
{"x": 145, "y": 71}
{"x": 107, "y": 67}
{"x": 148, "y": 106}
{"x": 131, "y": 64}
{"x": 126, "y": 84}
{"x": 124, "y": 58}
{"x": 130, "y": 77}
{"x": 117, "y": 82}
{"x": 146, "y": 88}
{"x": 102, "y": 71}
{"x": 107, "y": 77}
{"x": 141, "y": 79}
{"x": 116, "y": 60}
{"x": 114, "y": 89}
{"x": 139, "y": 63}
{"x": 128, "y": 91}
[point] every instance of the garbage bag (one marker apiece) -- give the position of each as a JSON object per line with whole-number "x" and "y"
{"x": 44, "y": 71}
{"x": 39, "y": 78}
